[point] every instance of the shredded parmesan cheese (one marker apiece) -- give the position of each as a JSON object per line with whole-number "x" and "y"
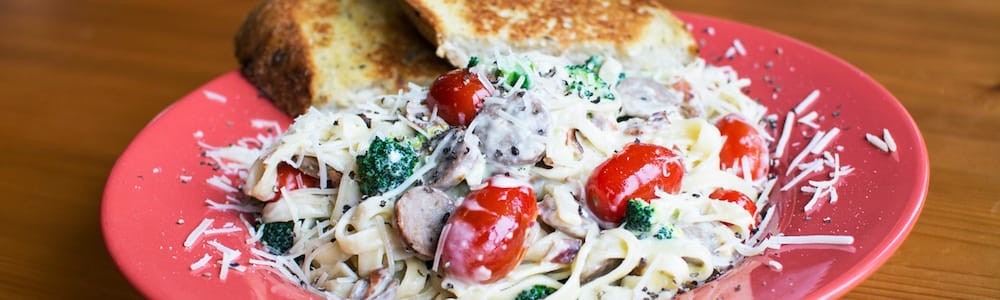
{"x": 877, "y": 142}
{"x": 197, "y": 232}
{"x": 201, "y": 262}
{"x": 214, "y": 96}
{"x": 889, "y": 141}
{"x": 808, "y": 101}
{"x": 785, "y": 131}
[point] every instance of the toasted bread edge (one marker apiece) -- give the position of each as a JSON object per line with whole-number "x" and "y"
{"x": 274, "y": 56}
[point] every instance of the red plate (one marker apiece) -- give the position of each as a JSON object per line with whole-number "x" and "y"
{"x": 879, "y": 203}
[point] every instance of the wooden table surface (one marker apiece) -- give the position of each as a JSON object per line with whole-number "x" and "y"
{"x": 80, "y": 78}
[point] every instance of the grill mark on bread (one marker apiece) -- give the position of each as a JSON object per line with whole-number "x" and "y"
{"x": 617, "y": 21}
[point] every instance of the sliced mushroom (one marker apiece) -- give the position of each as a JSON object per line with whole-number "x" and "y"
{"x": 513, "y": 131}
{"x": 644, "y": 97}
{"x": 561, "y": 210}
{"x": 310, "y": 166}
{"x": 420, "y": 214}
{"x": 563, "y": 251}
{"x": 379, "y": 285}
{"x": 459, "y": 157}
{"x": 418, "y": 113}
{"x": 600, "y": 268}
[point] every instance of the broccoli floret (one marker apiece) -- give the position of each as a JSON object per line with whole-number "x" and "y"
{"x": 664, "y": 233}
{"x": 386, "y": 165}
{"x": 513, "y": 71}
{"x": 638, "y": 217}
{"x": 278, "y": 237}
{"x": 536, "y": 292}
{"x": 585, "y": 81}
{"x": 473, "y": 61}
{"x": 639, "y": 220}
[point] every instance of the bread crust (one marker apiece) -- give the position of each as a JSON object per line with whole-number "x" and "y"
{"x": 303, "y": 53}
{"x": 274, "y": 56}
{"x": 630, "y": 30}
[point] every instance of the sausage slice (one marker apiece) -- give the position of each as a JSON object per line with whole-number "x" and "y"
{"x": 420, "y": 215}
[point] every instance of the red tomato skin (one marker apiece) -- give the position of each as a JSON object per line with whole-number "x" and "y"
{"x": 633, "y": 173}
{"x": 742, "y": 142}
{"x": 487, "y": 232}
{"x": 290, "y": 179}
{"x": 738, "y": 199}
{"x": 458, "y": 95}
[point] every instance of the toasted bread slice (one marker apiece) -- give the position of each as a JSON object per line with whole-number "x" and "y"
{"x": 304, "y": 53}
{"x": 642, "y": 34}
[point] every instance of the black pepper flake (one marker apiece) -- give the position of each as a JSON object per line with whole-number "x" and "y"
{"x": 738, "y": 287}
{"x": 382, "y": 203}
{"x": 346, "y": 208}
{"x": 270, "y": 130}
{"x": 498, "y": 154}
{"x": 826, "y": 220}
{"x": 449, "y": 286}
{"x": 696, "y": 195}
{"x": 351, "y": 174}
{"x": 514, "y": 150}
{"x": 234, "y": 264}
{"x": 835, "y": 113}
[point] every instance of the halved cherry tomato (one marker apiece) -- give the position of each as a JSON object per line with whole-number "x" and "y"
{"x": 738, "y": 199}
{"x": 458, "y": 95}
{"x": 290, "y": 179}
{"x": 636, "y": 172}
{"x": 743, "y": 143}
{"x": 484, "y": 238}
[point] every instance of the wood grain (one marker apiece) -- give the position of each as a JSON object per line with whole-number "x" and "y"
{"x": 81, "y": 78}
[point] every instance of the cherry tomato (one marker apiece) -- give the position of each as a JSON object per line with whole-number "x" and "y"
{"x": 290, "y": 179}
{"x": 458, "y": 95}
{"x": 739, "y": 199}
{"x": 484, "y": 238}
{"x": 743, "y": 143}
{"x": 636, "y": 172}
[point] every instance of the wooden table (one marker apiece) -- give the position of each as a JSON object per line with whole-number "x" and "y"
{"x": 80, "y": 78}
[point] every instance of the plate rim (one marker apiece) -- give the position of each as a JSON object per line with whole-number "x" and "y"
{"x": 840, "y": 285}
